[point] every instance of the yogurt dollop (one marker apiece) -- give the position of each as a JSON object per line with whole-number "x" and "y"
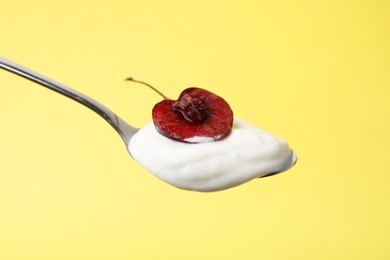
{"x": 247, "y": 153}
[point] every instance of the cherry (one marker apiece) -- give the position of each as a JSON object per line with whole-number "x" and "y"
{"x": 191, "y": 108}
{"x": 197, "y": 114}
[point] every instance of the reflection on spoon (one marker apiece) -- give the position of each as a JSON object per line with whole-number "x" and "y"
{"x": 127, "y": 132}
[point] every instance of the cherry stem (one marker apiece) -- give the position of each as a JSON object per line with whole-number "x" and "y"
{"x": 150, "y": 86}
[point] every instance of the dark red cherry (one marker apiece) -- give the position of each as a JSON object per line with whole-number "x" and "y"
{"x": 197, "y": 114}
{"x": 191, "y": 108}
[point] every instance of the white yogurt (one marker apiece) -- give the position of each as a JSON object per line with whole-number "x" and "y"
{"x": 247, "y": 153}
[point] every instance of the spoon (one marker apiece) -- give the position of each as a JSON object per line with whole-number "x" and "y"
{"x": 125, "y": 130}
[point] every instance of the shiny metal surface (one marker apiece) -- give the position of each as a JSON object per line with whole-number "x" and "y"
{"x": 125, "y": 130}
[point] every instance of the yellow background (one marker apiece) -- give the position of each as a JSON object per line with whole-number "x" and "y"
{"x": 315, "y": 73}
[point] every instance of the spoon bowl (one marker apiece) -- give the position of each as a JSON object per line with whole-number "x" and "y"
{"x": 125, "y": 130}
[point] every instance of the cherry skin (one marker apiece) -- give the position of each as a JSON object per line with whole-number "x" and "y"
{"x": 197, "y": 114}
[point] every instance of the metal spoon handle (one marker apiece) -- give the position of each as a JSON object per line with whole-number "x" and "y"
{"x": 125, "y": 130}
